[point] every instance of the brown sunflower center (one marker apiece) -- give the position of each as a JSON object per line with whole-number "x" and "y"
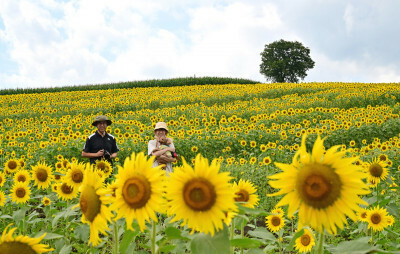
{"x": 20, "y": 192}
{"x": 77, "y": 176}
{"x": 102, "y": 166}
{"x": 41, "y": 175}
{"x": 275, "y": 221}
{"x": 1, "y": 179}
{"x": 242, "y": 196}
{"x": 136, "y": 191}
{"x": 364, "y": 215}
{"x": 318, "y": 185}
{"x": 199, "y": 194}
{"x": 21, "y": 178}
{"x": 90, "y": 203}
{"x": 66, "y": 189}
{"x": 16, "y": 247}
{"x": 382, "y": 157}
{"x": 375, "y": 169}
{"x": 57, "y": 177}
{"x": 12, "y": 165}
{"x": 305, "y": 240}
{"x": 65, "y": 163}
{"x": 376, "y": 218}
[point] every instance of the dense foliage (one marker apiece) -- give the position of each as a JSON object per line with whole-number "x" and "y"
{"x": 246, "y": 127}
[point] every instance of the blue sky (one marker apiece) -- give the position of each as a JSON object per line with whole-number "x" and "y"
{"x": 48, "y": 43}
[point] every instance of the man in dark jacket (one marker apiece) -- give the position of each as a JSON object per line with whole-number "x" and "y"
{"x": 100, "y": 144}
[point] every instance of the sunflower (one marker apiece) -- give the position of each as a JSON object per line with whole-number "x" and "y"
{"x": 390, "y": 220}
{"x": 323, "y": 185}
{"x": 58, "y": 175}
{"x": 21, "y": 244}
{"x": 362, "y": 215}
{"x": 104, "y": 166}
{"x": 267, "y": 160}
{"x": 65, "y": 191}
{"x": 278, "y": 210}
{"x": 22, "y": 176}
{"x": 2, "y": 178}
{"x": 377, "y": 170}
{"x": 42, "y": 174}
{"x": 383, "y": 157}
{"x": 46, "y": 201}
{"x": 21, "y": 163}
{"x": 201, "y": 196}
{"x": 93, "y": 204}
{"x": 139, "y": 192}
{"x": 11, "y": 166}
{"x": 20, "y": 193}
{"x": 2, "y": 198}
{"x": 75, "y": 174}
{"x": 112, "y": 188}
{"x": 377, "y": 218}
{"x": 245, "y": 193}
{"x": 305, "y": 242}
{"x": 59, "y": 166}
{"x": 275, "y": 222}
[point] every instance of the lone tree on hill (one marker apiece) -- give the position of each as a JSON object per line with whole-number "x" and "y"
{"x": 285, "y": 61}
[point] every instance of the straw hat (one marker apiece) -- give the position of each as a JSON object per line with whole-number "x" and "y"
{"x": 98, "y": 119}
{"x": 161, "y": 125}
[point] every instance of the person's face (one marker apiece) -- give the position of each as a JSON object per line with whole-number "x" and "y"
{"x": 160, "y": 132}
{"x": 101, "y": 126}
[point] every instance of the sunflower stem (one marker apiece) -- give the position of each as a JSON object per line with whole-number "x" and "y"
{"x": 232, "y": 234}
{"x": 116, "y": 240}
{"x": 320, "y": 244}
{"x": 242, "y": 234}
{"x": 153, "y": 237}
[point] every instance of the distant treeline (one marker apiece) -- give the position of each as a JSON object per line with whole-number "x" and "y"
{"x": 188, "y": 81}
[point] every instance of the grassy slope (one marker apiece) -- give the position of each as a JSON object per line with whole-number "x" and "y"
{"x": 130, "y": 84}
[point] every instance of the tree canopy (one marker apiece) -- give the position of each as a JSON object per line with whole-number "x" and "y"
{"x": 285, "y": 61}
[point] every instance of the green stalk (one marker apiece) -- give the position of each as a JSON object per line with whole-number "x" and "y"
{"x": 232, "y": 234}
{"x": 116, "y": 240}
{"x": 320, "y": 244}
{"x": 153, "y": 237}
{"x": 242, "y": 235}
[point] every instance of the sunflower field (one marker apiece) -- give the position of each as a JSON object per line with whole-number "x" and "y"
{"x": 262, "y": 168}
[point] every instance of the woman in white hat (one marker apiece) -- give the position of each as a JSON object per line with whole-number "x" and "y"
{"x": 160, "y": 132}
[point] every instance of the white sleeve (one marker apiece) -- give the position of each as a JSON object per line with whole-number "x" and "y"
{"x": 151, "y": 147}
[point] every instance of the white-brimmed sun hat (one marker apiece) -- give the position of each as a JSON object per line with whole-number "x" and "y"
{"x": 161, "y": 125}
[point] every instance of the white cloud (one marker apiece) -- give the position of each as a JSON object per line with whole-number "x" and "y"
{"x": 348, "y": 18}
{"x": 326, "y": 70}
{"x": 95, "y": 41}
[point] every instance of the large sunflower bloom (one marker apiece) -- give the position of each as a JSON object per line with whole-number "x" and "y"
{"x": 65, "y": 191}
{"x": 305, "y": 242}
{"x": 20, "y": 193}
{"x": 202, "y": 196}
{"x": 377, "y": 218}
{"x": 104, "y": 166}
{"x": 93, "y": 204}
{"x": 323, "y": 186}
{"x": 42, "y": 174}
{"x": 245, "y": 193}
{"x": 21, "y": 244}
{"x": 376, "y": 170}
{"x": 139, "y": 192}
{"x": 275, "y": 222}
{"x": 11, "y": 166}
{"x": 22, "y": 176}
{"x": 75, "y": 174}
